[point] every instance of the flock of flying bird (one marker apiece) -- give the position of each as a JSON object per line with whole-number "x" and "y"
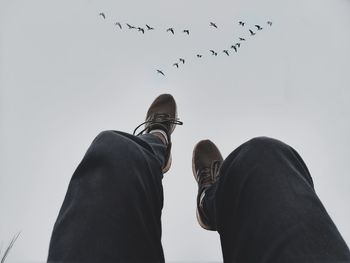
{"x": 171, "y": 30}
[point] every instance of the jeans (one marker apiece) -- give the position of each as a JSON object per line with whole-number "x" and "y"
{"x": 263, "y": 205}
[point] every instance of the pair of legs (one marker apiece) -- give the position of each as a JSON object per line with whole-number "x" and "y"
{"x": 262, "y": 203}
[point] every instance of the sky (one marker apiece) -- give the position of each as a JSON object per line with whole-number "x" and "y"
{"x": 66, "y": 74}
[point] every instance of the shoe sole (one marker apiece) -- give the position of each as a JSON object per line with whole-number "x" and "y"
{"x": 168, "y": 165}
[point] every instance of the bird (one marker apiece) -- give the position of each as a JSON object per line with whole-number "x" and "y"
{"x": 269, "y": 23}
{"x": 238, "y": 45}
{"x": 213, "y": 25}
{"x": 176, "y": 64}
{"x": 242, "y": 39}
{"x": 118, "y": 24}
{"x": 186, "y": 31}
{"x": 141, "y": 29}
{"x": 234, "y": 47}
{"x": 199, "y": 56}
{"x": 241, "y": 23}
{"x": 182, "y": 60}
{"x": 149, "y": 27}
{"x": 170, "y": 29}
{"x": 103, "y": 15}
{"x": 213, "y": 52}
{"x": 251, "y": 32}
{"x": 160, "y": 72}
{"x": 130, "y": 26}
{"x": 226, "y": 52}
{"x": 258, "y": 27}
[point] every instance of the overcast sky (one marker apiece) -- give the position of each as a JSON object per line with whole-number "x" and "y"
{"x": 66, "y": 74}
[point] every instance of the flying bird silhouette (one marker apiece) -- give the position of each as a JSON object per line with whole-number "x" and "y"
{"x": 176, "y": 64}
{"x": 234, "y": 47}
{"x": 103, "y": 15}
{"x": 149, "y": 27}
{"x": 182, "y": 60}
{"x": 226, "y": 52}
{"x": 170, "y": 29}
{"x": 118, "y": 24}
{"x": 141, "y": 29}
{"x": 251, "y": 32}
{"x": 269, "y": 23}
{"x": 130, "y": 26}
{"x": 186, "y": 31}
{"x": 213, "y": 25}
{"x": 160, "y": 72}
{"x": 213, "y": 52}
{"x": 242, "y": 39}
{"x": 241, "y": 23}
{"x": 258, "y": 27}
{"x": 199, "y": 56}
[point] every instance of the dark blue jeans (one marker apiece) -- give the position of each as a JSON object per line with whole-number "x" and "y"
{"x": 264, "y": 206}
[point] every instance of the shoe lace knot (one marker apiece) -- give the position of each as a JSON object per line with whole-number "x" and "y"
{"x": 161, "y": 119}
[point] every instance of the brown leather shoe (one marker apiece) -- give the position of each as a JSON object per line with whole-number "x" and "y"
{"x": 206, "y": 163}
{"x": 162, "y": 115}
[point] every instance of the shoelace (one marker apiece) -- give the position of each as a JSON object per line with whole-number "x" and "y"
{"x": 209, "y": 174}
{"x": 158, "y": 119}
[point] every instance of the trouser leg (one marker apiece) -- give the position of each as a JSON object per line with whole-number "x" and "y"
{"x": 266, "y": 210}
{"x": 112, "y": 209}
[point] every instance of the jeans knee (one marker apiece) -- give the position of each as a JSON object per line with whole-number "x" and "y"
{"x": 105, "y": 135}
{"x": 114, "y": 158}
{"x": 259, "y": 153}
{"x": 112, "y": 146}
{"x": 262, "y": 143}
{"x": 111, "y": 137}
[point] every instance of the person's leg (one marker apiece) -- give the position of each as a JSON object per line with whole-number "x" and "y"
{"x": 112, "y": 209}
{"x": 264, "y": 206}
